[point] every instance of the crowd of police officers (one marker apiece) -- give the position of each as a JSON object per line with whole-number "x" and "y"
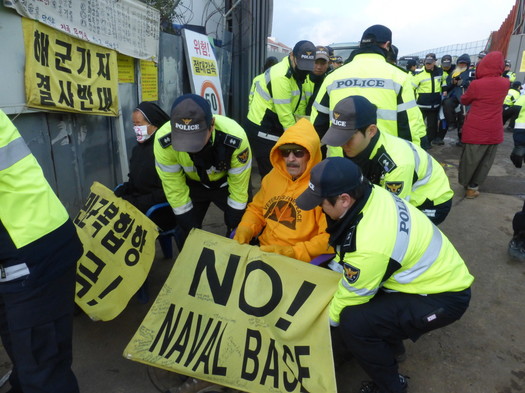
{"x": 387, "y": 117}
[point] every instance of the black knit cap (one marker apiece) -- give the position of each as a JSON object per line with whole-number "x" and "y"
{"x": 376, "y": 34}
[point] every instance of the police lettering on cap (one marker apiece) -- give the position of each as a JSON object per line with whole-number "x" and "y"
{"x": 321, "y": 52}
{"x": 331, "y": 177}
{"x": 446, "y": 61}
{"x": 349, "y": 115}
{"x": 304, "y": 53}
{"x": 191, "y": 119}
{"x": 376, "y": 34}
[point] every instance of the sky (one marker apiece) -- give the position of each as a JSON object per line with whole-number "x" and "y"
{"x": 416, "y": 25}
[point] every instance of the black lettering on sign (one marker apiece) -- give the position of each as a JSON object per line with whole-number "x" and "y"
{"x": 220, "y": 290}
{"x": 84, "y": 274}
{"x": 276, "y": 289}
{"x": 302, "y": 295}
{"x": 256, "y": 352}
{"x": 195, "y": 344}
{"x": 111, "y": 287}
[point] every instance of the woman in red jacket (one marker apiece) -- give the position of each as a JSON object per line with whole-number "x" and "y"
{"x": 482, "y": 130}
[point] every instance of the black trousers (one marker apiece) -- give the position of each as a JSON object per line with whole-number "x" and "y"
{"x": 261, "y": 147}
{"x": 36, "y": 326}
{"x": 510, "y": 113}
{"x": 454, "y": 119}
{"x": 372, "y": 330}
{"x": 431, "y": 117}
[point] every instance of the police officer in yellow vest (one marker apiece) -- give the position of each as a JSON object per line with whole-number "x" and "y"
{"x": 427, "y": 84}
{"x": 370, "y": 75}
{"x": 203, "y": 158}
{"x": 39, "y": 249}
{"x": 401, "y": 276}
{"x": 507, "y": 73}
{"x": 510, "y": 109}
{"x": 397, "y": 165}
{"x": 276, "y": 101}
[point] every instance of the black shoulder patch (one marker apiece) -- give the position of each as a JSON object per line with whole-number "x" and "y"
{"x": 232, "y": 141}
{"x": 165, "y": 140}
{"x": 386, "y": 162}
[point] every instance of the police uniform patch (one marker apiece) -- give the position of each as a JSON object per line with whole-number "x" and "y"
{"x": 165, "y": 140}
{"x": 395, "y": 187}
{"x": 243, "y": 156}
{"x": 232, "y": 141}
{"x": 387, "y": 163}
{"x": 351, "y": 273}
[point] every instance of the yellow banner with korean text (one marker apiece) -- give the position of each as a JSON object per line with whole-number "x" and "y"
{"x": 63, "y": 73}
{"x": 119, "y": 248}
{"x": 238, "y": 317}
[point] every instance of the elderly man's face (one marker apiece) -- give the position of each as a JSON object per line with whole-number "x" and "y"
{"x": 296, "y": 161}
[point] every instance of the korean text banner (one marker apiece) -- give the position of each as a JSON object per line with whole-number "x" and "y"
{"x": 202, "y": 67}
{"x": 127, "y": 26}
{"x": 238, "y": 317}
{"x": 119, "y": 248}
{"x": 66, "y": 74}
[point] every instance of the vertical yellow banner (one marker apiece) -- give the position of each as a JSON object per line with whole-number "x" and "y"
{"x": 126, "y": 69}
{"x": 149, "y": 80}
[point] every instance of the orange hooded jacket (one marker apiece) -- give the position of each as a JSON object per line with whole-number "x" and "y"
{"x": 273, "y": 209}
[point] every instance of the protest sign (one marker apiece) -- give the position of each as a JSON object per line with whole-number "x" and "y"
{"x": 67, "y": 74}
{"x": 119, "y": 248}
{"x": 236, "y": 316}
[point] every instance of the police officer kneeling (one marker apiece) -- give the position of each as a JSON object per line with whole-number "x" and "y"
{"x": 400, "y": 166}
{"x": 203, "y": 158}
{"x": 390, "y": 255}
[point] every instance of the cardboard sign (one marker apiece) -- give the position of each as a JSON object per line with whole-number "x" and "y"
{"x": 119, "y": 248}
{"x": 236, "y": 316}
{"x": 67, "y": 74}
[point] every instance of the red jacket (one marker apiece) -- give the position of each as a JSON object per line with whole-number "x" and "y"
{"x": 485, "y": 96}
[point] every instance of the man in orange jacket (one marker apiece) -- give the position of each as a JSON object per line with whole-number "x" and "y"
{"x": 273, "y": 216}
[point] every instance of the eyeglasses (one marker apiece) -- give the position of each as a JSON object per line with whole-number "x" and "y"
{"x": 298, "y": 153}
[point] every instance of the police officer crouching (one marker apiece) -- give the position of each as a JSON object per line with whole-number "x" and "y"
{"x": 400, "y": 166}
{"x": 203, "y": 158}
{"x": 390, "y": 254}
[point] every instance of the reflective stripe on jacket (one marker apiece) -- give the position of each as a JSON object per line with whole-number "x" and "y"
{"x": 174, "y": 166}
{"x": 29, "y": 209}
{"x": 276, "y": 99}
{"x": 427, "y": 85}
{"x": 396, "y": 248}
{"x": 385, "y": 85}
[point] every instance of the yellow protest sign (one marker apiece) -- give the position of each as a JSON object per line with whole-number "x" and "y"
{"x": 67, "y": 74}
{"x": 119, "y": 248}
{"x": 236, "y": 316}
{"x": 126, "y": 69}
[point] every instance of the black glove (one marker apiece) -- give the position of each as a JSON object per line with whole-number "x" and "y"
{"x": 517, "y": 156}
{"x": 232, "y": 217}
{"x": 186, "y": 221}
{"x": 122, "y": 189}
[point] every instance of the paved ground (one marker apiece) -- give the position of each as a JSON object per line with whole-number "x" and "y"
{"x": 482, "y": 353}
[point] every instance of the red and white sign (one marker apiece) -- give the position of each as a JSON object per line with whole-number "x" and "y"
{"x": 202, "y": 66}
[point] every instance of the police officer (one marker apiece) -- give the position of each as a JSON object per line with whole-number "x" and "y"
{"x": 313, "y": 81}
{"x": 510, "y": 109}
{"x": 427, "y": 84}
{"x": 39, "y": 249}
{"x": 507, "y": 73}
{"x": 203, "y": 158}
{"x": 276, "y": 100}
{"x": 390, "y": 254}
{"x": 370, "y": 75}
{"x": 400, "y": 166}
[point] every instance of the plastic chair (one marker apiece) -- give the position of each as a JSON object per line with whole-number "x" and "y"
{"x": 165, "y": 237}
